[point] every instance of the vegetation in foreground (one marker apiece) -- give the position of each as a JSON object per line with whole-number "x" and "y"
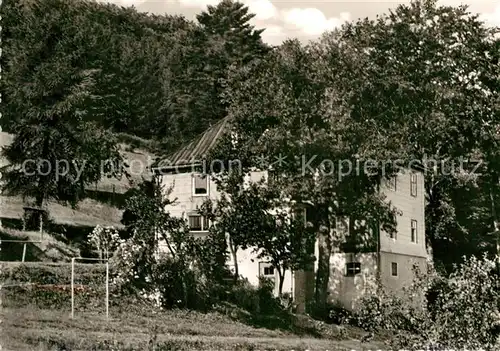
{"x": 454, "y": 312}
{"x": 29, "y": 328}
{"x": 38, "y": 316}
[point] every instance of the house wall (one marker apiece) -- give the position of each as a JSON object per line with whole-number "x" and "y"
{"x": 250, "y": 267}
{"x": 411, "y": 208}
{"x": 182, "y": 192}
{"x": 405, "y": 270}
{"x": 342, "y": 289}
{"x": 400, "y": 249}
{"x": 348, "y": 290}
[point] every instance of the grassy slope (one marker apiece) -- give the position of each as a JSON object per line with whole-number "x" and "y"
{"x": 88, "y": 212}
{"x": 48, "y": 250}
{"x": 31, "y": 328}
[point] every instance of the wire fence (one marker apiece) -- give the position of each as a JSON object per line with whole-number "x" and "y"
{"x": 63, "y": 286}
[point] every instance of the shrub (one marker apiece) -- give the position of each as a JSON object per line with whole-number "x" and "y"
{"x": 47, "y": 285}
{"x": 466, "y": 310}
{"x": 178, "y": 286}
{"x": 456, "y": 312}
{"x": 105, "y": 240}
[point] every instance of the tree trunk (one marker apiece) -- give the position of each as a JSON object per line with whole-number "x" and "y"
{"x": 234, "y": 255}
{"x": 495, "y": 224}
{"x": 323, "y": 272}
{"x": 281, "y": 277}
{"x": 39, "y": 199}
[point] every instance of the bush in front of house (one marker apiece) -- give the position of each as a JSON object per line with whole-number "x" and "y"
{"x": 461, "y": 311}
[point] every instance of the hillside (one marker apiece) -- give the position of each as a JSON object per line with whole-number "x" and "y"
{"x": 45, "y": 248}
{"x": 156, "y": 77}
{"x": 101, "y": 205}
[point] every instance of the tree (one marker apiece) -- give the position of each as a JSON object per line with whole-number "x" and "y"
{"x": 188, "y": 273}
{"x": 284, "y": 240}
{"x": 422, "y": 77}
{"x": 224, "y": 38}
{"x": 291, "y": 119}
{"x": 147, "y": 223}
{"x": 169, "y": 71}
{"x": 253, "y": 215}
{"x": 48, "y": 95}
{"x": 105, "y": 240}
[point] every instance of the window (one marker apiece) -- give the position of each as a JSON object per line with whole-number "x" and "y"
{"x": 394, "y": 269}
{"x": 414, "y": 236}
{"x": 352, "y": 268}
{"x": 269, "y": 271}
{"x": 200, "y": 185}
{"x": 413, "y": 184}
{"x": 266, "y": 270}
{"x": 198, "y": 223}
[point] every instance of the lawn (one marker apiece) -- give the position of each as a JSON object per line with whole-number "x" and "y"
{"x": 37, "y": 317}
{"x": 31, "y": 328}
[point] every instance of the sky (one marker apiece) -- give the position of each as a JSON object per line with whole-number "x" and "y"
{"x": 305, "y": 20}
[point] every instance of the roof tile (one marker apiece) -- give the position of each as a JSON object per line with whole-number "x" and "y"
{"x": 197, "y": 149}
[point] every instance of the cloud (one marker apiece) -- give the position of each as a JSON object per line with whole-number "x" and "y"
{"x": 492, "y": 18}
{"x": 312, "y": 21}
{"x": 125, "y": 3}
{"x": 274, "y": 35}
{"x": 202, "y": 4}
{"x": 263, "y": 9}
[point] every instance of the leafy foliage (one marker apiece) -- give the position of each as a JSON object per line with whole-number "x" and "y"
{"x": 253, "y": 215}
{"x": 162, "y": 260}
{"x": 426, "y": 87}
{"x": 154, "y": 76}
{"x": 57, "y": 149}
{"x": 105, "y": 240}
{"x": 460, "y": 311}
{"x": 283, "y": 122}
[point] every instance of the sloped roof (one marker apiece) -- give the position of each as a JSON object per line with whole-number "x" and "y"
{"x": 196, "y": 150}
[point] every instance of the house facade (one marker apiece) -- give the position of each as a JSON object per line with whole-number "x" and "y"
{"x": 352, "y": 274}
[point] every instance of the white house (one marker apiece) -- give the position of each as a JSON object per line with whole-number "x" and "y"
{"x": 351, "y": 275}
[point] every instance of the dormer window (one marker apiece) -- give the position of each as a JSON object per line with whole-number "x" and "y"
{"x": 200, "y": 185}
